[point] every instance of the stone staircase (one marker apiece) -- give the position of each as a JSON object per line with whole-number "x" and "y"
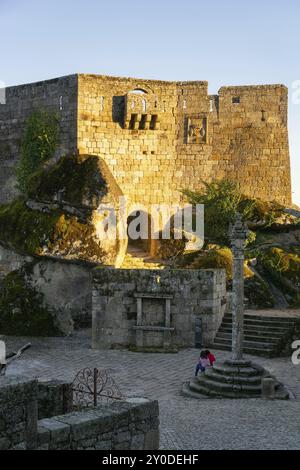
{"x": 138, "y": 259}
{"x": 263, "y": 335}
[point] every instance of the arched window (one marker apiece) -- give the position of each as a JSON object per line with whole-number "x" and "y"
{"x": 138, "y": 91}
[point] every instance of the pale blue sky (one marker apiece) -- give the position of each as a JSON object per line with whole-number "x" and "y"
{"x": 227, "y": 42}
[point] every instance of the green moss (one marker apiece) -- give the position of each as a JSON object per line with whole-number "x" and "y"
{"x": 76, "y": 178}
{"x": 21, "y": 309}
{"x": 36, "y": 233}
{"x": 24, "y": 229}
{"x": 220, "y": 258}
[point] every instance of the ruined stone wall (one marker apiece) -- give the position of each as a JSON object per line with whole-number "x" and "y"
{"x": 58, "y": 96}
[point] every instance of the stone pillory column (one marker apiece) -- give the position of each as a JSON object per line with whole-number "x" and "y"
{"x": 238, "y": 234}
{"x": 237, "y": 377}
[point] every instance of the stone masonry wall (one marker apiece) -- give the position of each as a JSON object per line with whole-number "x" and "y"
{"x": 160, "y": 137}
{"x": 118, "y": 426}
{"x": 58, "y": 96}
{"x": 194, "y": 294}
{"x": 128, "y": 425}
{"x": 240, "y": 134}
{"x": 18, "y": 412}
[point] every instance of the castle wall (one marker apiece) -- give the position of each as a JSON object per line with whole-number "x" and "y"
{"x": 172, "y": 136}
{"x": 58, "y": 96}
{"x": 240, "y": 134}
{"x": 250, "y": 140}
{"x": 142, "y": 160}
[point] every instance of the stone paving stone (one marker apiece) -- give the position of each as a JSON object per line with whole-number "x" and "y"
{"x": 185, "y": 423}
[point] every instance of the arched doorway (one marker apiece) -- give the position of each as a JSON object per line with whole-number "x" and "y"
{"x": 139, "y": 232}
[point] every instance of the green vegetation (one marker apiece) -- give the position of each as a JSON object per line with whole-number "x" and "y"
{"x": 38, "y": 144}
{"x": 222, "y": 200}
{"x": 31, "y": 232}
{"x": 21, "y": 309}
{"x": 217, "y": 258}
{"x": 24, "y": 229}
{"x": 78, "y": 177}
{"x": 287, "y": 265}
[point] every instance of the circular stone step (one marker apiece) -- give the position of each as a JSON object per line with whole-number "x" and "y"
{"x": 232, "y": 379}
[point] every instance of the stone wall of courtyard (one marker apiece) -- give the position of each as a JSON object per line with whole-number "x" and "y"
{"x": 131, "y": 424}
{"x": 148, "y": 309}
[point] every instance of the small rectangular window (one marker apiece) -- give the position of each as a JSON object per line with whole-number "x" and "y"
{"x": 132, "y": 121}
{"x": 153, "y": 122}
{"x": 143, "y": 121}
{"x": 236, "y": 100}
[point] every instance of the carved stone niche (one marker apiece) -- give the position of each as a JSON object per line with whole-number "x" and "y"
{"x": 153, "y": 325}
{"x": 195, "y": 129}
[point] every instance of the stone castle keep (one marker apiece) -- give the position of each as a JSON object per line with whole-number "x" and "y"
{"x": 159, "y": 137}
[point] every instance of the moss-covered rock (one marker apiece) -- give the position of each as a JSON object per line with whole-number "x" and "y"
{"x": 36, "y": 233}
{"x": 26, "y": 230}
{"x": 284, "y": 268}
{"x": 281, "y": 262}
{"x": 257, "y": 293}
{"x": 22, "y": 311}
{"x": 83, "y": 180}
{"x": 61, "y": 218}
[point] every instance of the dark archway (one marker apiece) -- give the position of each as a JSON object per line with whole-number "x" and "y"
{"x": 139, "y": 229}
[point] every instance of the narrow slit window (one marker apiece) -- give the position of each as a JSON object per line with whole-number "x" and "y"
{"x": 101, "y": 103}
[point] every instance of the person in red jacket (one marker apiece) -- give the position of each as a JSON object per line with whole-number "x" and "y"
{"x": 210, "y": 357}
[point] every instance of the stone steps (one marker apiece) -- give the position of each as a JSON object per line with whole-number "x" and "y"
{"x": 263, "y": 335}
{"x": 254, "y": 330}
{"x": 140, "y": 261}
{"x": 248, "y": 334}
{"x": 232, "y": 379}
{"x": 240, "y": 380}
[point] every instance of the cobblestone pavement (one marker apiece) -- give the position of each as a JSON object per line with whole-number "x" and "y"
{"x": 185, "y": 423}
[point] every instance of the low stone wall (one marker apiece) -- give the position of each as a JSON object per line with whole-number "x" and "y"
{"x": 55, "y": 397}
{"x": 131, "y": 424}
{"x": 119, "y": 426}
{"x": 156, "y": 308}
{"x": 18, "y": 412}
